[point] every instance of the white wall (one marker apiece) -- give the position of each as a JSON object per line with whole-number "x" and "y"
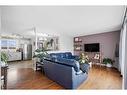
{"x": 66, "y": 43}
{"x": 22, "y": 41}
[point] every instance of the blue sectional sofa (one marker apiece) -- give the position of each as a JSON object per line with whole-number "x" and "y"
{"x": 67, "y": 55}
{"x": 64, "y": 69}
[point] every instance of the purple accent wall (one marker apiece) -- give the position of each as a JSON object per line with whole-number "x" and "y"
{"x": 107, "y": 42}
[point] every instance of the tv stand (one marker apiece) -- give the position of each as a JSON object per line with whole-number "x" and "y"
{"x": 94, "y": 57}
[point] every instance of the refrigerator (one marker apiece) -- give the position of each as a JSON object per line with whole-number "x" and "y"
{"x": 26, "y": 51}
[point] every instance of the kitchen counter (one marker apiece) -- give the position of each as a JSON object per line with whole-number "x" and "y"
{"x": 14, "y": 56}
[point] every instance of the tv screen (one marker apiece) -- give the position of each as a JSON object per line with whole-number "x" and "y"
{"x": 93, "y": 47}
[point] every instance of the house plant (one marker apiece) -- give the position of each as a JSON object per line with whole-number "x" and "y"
{"x": 108, "y": 62}
{"x": 40, "y": 54}
{"x": 4, "y": 58}
{"x": 83, "y": 58}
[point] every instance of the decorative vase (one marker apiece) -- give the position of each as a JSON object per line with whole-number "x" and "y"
{"x": 109, "y": 65}
{"x": 90, "y": 63}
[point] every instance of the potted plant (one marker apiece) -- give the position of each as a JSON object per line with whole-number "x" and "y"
{"x": 40, "y": 54}
{"x": 83, "y": 58}
{"x": 4, "y": 58}
{"x": 108, "y": 62}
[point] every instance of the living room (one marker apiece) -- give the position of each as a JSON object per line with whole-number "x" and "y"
{"x": 87, "y": 36}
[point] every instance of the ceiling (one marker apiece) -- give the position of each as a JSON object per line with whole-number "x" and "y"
{"x": 56, "y": 20}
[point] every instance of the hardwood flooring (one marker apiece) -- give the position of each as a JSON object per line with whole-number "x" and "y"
{"x": 26, "y": 78}
{"x": 102, "y": 78}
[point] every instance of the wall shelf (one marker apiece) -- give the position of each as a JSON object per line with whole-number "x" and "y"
{"x": 77, "y": 44}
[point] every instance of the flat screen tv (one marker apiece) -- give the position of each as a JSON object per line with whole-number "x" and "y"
{"x": 92, "y": 47}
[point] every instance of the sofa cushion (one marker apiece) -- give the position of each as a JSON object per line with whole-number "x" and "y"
{"x": 62, "y": 55}
{"x": 79, "y": 72}
{"x": 69, "y": 62}
{"x": 68, "y": 55}
{"x": 66, "y": 59}
{"x": 54, "y": 55}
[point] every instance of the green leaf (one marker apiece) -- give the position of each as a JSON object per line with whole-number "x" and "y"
{"x": 4, "y": 57}
{"x": 40, "y": 53}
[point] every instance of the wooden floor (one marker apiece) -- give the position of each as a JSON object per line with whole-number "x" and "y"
{"x": 26, "y": 78}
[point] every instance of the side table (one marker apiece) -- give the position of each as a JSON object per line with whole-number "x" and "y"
{"x": 39, "y": 66}
{"x": 4, "y": 76}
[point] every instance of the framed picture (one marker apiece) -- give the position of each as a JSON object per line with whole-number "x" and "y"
{"x": 76, "y": 39}
{"x": 96, "y": 56}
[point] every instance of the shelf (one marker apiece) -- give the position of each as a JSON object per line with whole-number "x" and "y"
{"x": 77, "y": 44}
{"x": 77, "y": 50}
{"x": 77, "y": 41}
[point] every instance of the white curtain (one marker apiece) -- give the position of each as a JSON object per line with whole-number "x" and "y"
{"x": 123, "y": 54}
{"x": 122, "y": 49}
{"x": 125, "y": 58}
{"x": 125, "y": 66}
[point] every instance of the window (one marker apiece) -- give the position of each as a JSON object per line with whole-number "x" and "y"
{"x": 12, "y": 44}
{"x": 5, "y": 44}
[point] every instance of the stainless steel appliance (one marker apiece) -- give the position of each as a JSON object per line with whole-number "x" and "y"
{"x": 26, "y": 51}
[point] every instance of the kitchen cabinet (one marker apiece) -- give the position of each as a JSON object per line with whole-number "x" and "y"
{"x": 14, "y": 56}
